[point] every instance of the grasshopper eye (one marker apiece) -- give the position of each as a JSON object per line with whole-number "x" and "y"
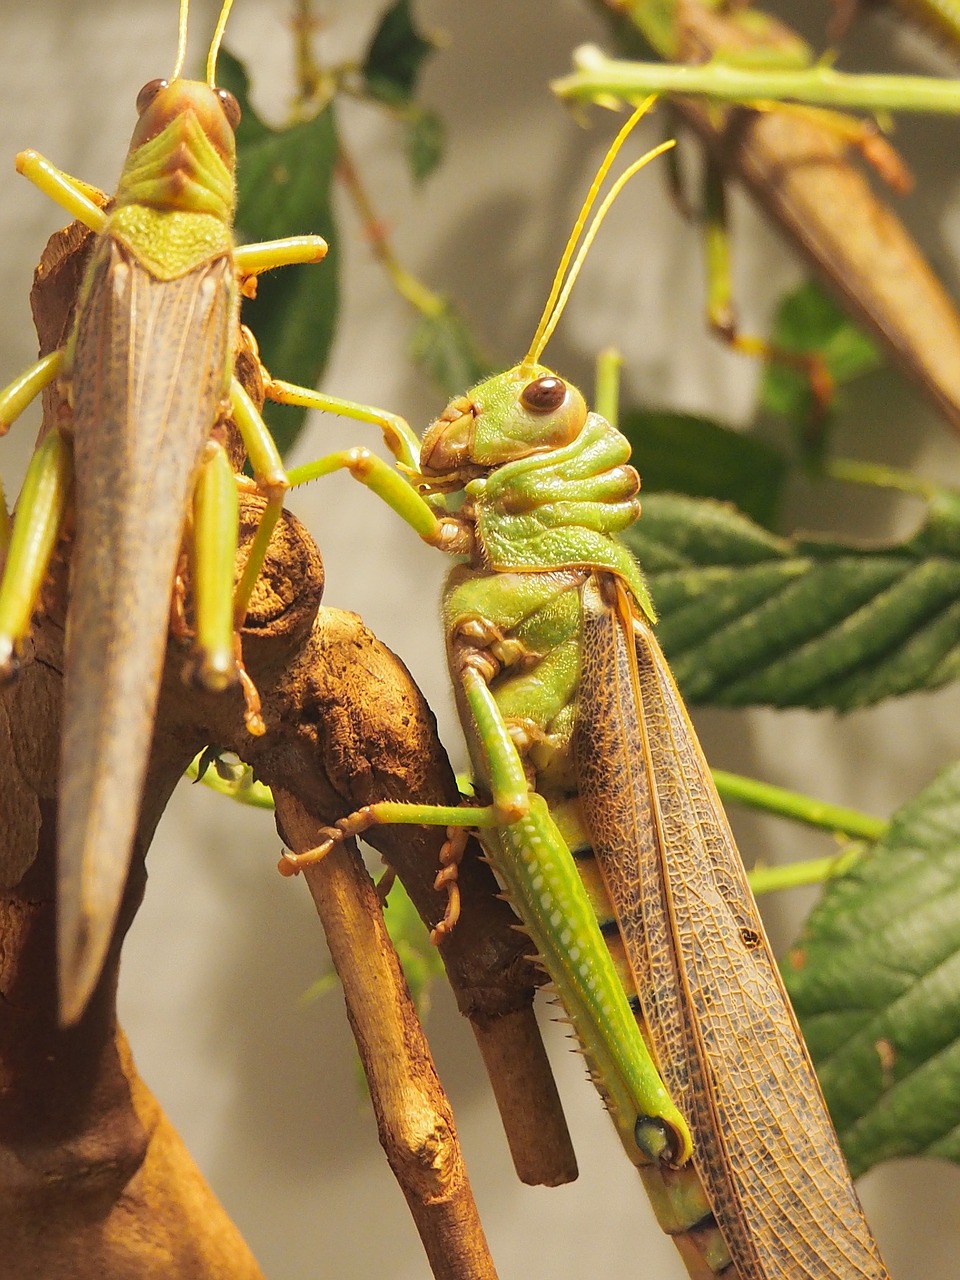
{"x": 544, "y": 395}
{"x": 148, "y": 93}
{"x": 231, "y": 107}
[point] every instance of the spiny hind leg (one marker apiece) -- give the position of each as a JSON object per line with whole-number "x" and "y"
{"x": 26, "y": 543}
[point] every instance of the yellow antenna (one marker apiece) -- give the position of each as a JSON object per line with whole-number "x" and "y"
{"x": 563, "y": 280}
{"x": 216, "y": 42}
{"x": 181, "y": 39}
{"x": 621, "y": 182}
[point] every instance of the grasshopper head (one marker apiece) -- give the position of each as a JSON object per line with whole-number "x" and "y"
{"x": 182, "y": 154}
{"x": 161, "y": 103}
{"x": 526, "y": 410}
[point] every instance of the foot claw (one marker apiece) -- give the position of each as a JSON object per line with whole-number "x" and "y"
{"x": 451, "y": 855}
{"x": 291, "y": 864}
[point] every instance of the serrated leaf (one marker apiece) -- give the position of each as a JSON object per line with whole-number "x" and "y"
{"x": 425, "y": 137}
{"x": 680, "y": 453}
{"x": 283, "y": 189}
{"x": 875, "y": 981}
{"x": 749, "y": 618}
{"x": 395, "y": 56}
{"x": 809, "y": 320}
{"x": 446, "y": 351}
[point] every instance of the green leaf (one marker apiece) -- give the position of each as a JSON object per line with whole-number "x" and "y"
{"x": 875, "y": 981}
{"x": 283, "y": 189}
{"x": 746, "y": 617}
{"x": 808, "y": 320}
{"x": 679, "y": 453}
{"x": 424, "y": 142}
{"x": 395, "y": 56}
{"x": 446, "y": 351}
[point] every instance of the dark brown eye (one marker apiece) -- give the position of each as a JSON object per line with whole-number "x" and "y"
{"x": 544, "y": 394}
{"x": 148, "y": 93}
{"x": 231, "y": 107}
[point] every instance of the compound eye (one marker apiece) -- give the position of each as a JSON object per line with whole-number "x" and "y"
{"x": 544, "y": 395}
{"x": 231, "y": 107}
{"x": 148, "y": 93}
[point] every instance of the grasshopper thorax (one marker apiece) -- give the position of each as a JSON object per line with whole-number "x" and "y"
{"x": 527, "y": 410}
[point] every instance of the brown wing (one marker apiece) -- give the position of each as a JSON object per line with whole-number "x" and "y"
{"x": 147, "y": 381}
{"x": 721, "y": 1027}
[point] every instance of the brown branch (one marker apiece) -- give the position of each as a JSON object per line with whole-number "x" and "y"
{"x": 93, "y": 1181}
{"x": 364, "y": 733}
{"x": 414, "y": 1117}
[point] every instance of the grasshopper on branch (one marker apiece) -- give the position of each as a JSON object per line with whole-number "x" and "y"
{"x": 135, "y": 467}
{"x": 603, "y": 823}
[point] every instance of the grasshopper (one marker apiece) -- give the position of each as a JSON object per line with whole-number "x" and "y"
{"x": 794, "y": 163}
{"x": 145, "y": 383}
{"x": 602, "y": 821}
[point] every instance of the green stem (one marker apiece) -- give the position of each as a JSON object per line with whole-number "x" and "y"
{"x": 796, "y": 874}
{"x": 408, "y": 286}
{"x": 597, "y": 76}
{"x": 801, "y": 808}
{"x": 246, "y": 791}
{"x": 852, "y": 471}
{"x": 606, "y": 392}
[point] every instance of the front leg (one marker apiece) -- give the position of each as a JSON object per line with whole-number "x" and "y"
{"x": 78, "y": 198}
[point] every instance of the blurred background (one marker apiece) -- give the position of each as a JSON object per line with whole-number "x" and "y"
{"x": 262, "y": 1083}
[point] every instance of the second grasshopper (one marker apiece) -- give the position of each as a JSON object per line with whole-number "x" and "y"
{"x": 603, "y": 823}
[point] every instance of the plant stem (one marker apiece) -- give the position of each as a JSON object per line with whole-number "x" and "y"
{"x": 606, "y": 392}
{"x": 597, "y": 77}
{"x": 409, "y": 287}
{"x": 801, "y": 808}
{"x": 853, "y": 471}
{"x": 795, "y": 874}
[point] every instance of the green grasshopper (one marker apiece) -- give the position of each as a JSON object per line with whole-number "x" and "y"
{"x": 603, "y": 823}
{"x": 145, "y": 383}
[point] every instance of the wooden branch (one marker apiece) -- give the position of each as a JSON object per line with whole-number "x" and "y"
{"x": 414, "y": 1117}
{"x": 364, "y": 733}
{"x": 93, "y": 1181}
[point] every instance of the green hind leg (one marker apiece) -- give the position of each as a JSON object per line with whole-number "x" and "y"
{"x": 27, "y": 543}
{"x": 36, "y": 526}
